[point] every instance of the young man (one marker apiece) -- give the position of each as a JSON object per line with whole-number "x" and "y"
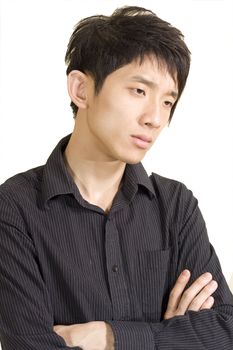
{"x": 94, "y": 254}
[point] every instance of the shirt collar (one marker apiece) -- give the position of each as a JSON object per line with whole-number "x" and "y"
{"x": 135, "y": 176}
{"x": 56, "y": 180}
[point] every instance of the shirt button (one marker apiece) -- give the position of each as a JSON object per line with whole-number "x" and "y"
{"x": 115, "y": 268}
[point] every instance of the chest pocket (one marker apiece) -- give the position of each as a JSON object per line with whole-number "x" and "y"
{"x": 153, "y": 270}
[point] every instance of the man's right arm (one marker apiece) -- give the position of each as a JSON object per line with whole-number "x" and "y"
{"x": 26, "y": 317}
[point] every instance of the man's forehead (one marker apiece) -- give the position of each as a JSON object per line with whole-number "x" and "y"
{"x": 147, "y": 64}
{"x": 148, "y": 72}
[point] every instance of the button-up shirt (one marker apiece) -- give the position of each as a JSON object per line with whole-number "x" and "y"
{"x": 64, "y": 260}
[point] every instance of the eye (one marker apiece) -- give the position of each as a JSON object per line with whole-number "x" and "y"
{"x": 168, "y": 104}
{"x": 140, "y": 92}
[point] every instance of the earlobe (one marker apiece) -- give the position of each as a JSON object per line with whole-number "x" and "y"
{"x": 76, "y": 84}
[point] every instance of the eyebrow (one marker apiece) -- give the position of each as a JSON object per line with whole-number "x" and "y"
{"x": 151, "y": 84}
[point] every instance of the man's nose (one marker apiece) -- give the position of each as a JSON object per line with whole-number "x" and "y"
{"x": 153, "y": 118}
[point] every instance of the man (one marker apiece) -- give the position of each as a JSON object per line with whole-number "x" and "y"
{"x": 94, "y": 253}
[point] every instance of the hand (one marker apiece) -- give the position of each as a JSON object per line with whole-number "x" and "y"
{"x": 196, "y": 297}
{"x": 96, "y": 335}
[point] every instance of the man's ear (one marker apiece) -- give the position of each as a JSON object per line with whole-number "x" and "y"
{"x": 77, "y": 88}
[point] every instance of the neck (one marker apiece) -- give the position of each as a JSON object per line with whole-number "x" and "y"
{"x": 98, "y": 180}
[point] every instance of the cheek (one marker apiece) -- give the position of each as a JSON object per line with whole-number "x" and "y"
{"x": 119, "y": 101}
{"x": 115, "y": 114}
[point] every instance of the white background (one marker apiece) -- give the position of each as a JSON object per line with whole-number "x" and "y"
{"x": 197, "y": 147}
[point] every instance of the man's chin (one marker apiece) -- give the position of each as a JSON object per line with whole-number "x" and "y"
{"x": 133, "y": 160}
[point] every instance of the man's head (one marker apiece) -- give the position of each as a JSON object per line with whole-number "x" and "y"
{"x": 101, "y": 45}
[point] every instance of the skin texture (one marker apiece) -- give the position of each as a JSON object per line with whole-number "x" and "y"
{"x": 197, "y": 297}
{"x": 102, "y": 143}
{"x": 125, "y": 106}
{"x": 134, "y": 100}
{"x": 95, "y": 335}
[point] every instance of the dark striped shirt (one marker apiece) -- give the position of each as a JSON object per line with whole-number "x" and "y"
{"x": 65, "y": 261}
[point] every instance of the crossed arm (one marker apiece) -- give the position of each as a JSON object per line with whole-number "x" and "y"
{"x": 32, "y": 327}
{"x": 98, "y": 335}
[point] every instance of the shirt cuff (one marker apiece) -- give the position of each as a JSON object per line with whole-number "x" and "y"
{"x": 132, "y": 335}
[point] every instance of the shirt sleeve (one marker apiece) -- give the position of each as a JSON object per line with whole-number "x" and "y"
{"x": 26, "y": 318}
{"x": 202, "y": 330}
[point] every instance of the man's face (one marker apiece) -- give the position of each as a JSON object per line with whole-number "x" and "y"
{"x": 133, "y": 106}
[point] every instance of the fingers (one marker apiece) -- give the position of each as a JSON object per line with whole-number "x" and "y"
{"x": 208, "y": 303}
{"x": 190, "y": 294}
{"x": 176, "y": 293}
{"x": 196, "y": 297}
{"x": 202, "y": 299}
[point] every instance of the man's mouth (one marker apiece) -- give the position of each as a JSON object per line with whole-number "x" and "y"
{"x": 142, "y": 141}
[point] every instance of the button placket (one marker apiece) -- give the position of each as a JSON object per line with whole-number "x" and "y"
{"x": 116, "y": 279}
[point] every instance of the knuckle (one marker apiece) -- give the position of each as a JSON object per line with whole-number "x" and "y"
{"x": 172, "y": 294}
{"x": 208, "y": 290}
{"x": 211, "y": 286}
{"x": 195, "y": 304}
{"x": 201, "y": 282}
{"x": 182, "y": 280}
{"x": 208, "y": 303}
{"x": 186, "y": 294}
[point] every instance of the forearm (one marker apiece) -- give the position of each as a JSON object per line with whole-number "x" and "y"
{"x": 94, "y": 335}
{"x": 184, "y": 319}
{"x": 202, "y": 330}
{"x": 45, "y": 341}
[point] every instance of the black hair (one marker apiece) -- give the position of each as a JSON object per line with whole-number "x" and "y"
{"x": 102, "y": 44}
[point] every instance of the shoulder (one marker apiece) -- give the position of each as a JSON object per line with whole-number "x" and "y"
{"x": 174, "y": 196}
{"x": 21, "y": 187}
{"x": 167, "y": 187}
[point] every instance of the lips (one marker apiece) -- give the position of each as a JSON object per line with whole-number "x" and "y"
{"x": 141, "y": 141}
{"x": 143, "y": 138}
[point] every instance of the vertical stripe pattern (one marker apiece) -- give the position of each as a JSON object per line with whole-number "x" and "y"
{"x": 65, "y": 261}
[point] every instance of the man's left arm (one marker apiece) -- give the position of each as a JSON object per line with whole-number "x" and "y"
{"x": 207, "y": 329}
